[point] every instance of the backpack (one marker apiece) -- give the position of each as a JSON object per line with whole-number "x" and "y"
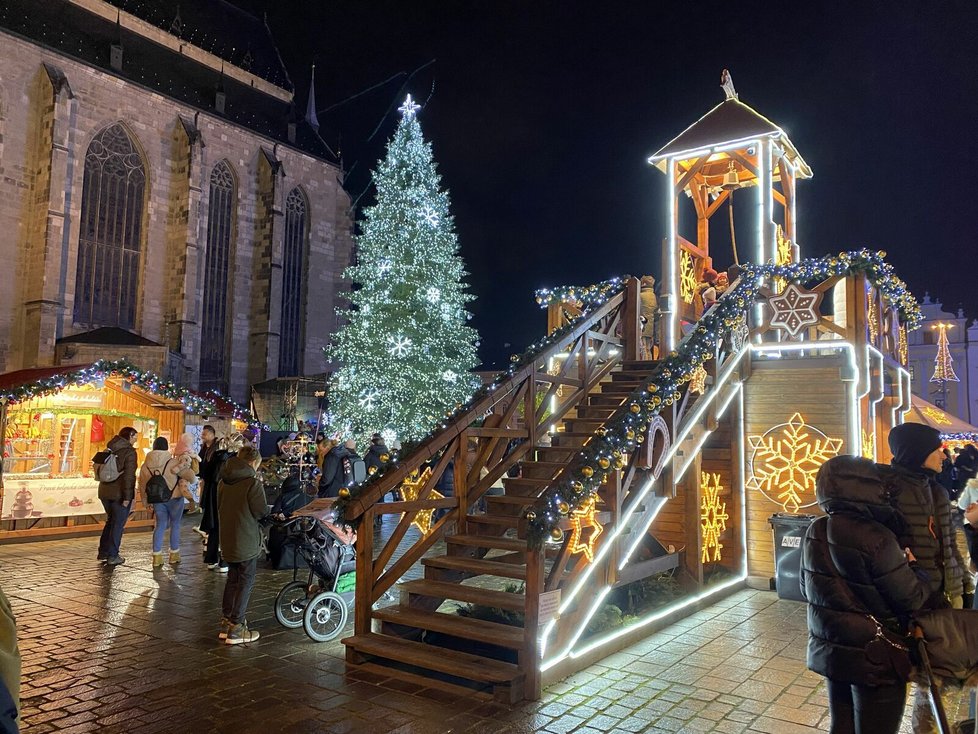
{"x": 106, "y": 466}
{"x": 157, "y": 490}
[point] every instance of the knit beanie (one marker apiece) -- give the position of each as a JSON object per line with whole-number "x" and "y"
{"x": 912, "y": 443}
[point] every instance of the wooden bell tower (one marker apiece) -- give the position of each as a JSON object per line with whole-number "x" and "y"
{"x": 731, "y": 147}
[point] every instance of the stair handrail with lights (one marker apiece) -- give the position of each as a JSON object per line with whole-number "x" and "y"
{"x": 483, "y": 441}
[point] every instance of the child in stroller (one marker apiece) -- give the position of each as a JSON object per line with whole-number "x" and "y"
{"x": 320, "y": 604}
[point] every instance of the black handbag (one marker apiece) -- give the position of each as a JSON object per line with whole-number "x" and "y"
{"x": 889, "y": 647}
{"x": 951, "y": 636}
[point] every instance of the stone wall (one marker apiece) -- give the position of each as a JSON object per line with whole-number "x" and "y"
{"x": 51, "y": 107}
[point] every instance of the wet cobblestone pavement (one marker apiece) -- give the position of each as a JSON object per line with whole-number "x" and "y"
{"x": 136, "y": 651}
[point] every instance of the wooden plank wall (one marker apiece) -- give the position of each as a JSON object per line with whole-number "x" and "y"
{"x": 774, "y": 392}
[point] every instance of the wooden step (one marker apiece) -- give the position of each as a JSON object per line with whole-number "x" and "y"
{"x": 639, "y": 364}
{"x": 475, "y": 566}
{"x": 602, "y": 399}
{"x": 495, "y": 520}
{"x": 510, "y": 499}
{"x": 594, "y": 412}
{"x": 558, "y": 453}
{"x": 456, "y": 625}
{"x": 542, "y": 469}
{"x": 526, "y": 485}
{"x": 498, "y": 542}
{"x": 453, "y": 662}
{"x": 464, "y": 593}
{"x": 572, "y": 439}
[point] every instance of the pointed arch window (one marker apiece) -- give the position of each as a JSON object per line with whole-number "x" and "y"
{"x": 217, "y": 264}
{"x": 293, "y": 296}
{"x": 110, "y": 237}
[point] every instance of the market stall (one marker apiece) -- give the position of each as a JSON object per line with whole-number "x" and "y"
{"x": 54, "y": 419}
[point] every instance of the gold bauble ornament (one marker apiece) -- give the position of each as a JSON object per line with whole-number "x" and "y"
{"x": 640, "y": 438}
{"x": 563, "y": 508}
{"x": 372, "y": 470}
{"x": 630, "y": 434}
{"x": 616, "y": 453}
{"x": 385, "y": 457}
{"x": 531, "y": 516}
{"x": 619, "y": 463}
{"x": 653, "y": 387}
{"x": 604, "y": 462}
{"x": 557, "y": 535}
{"x": 635, "y": 408}
{"x": 601, "y": 431}
{"x": 577, "y": 486}
{"x": 344, "y": 492}
{"x": 587, "y": 472}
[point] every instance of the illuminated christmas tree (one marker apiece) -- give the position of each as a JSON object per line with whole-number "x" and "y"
{"x": 943, "y": 363}
{"x": 405, "y": 351}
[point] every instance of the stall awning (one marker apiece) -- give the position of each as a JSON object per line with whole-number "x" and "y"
{"x": 19, "y": 378}
{"x": 929, "y": 414}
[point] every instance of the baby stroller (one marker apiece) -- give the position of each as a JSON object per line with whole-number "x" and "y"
{"x": 320, "y": 604}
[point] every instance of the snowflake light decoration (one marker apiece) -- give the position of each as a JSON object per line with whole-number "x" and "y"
{"x": 585, "y": 517}
{"x": 687, "y": 276}
{"x": 369, "y": 398}
{"x": 786, "y": 458}
{"x": 410, "y": 489}
{"x": 449, "y": 376}
{"x": 430, "y": 216}
{"x": 713, "y": 516}
{"x": 432, "y": 294}
{"x": 794, "y": 309}
{"x": 399, "y": 345}
{"x": 389, "y": 436}
{"x": 869, "y": 445}
{"x": 384, "y": 267}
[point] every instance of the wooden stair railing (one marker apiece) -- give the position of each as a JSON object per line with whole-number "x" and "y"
{"x": 495, "y": 433}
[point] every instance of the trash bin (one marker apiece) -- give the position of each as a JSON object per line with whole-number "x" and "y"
{"x": 788, "y": 533}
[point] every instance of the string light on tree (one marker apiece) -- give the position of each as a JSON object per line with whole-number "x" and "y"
{"x": 406, "y": 324}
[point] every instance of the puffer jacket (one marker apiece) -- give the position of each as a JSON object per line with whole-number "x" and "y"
{"x": 853, "y": 567}
{"x": 123, "y": 488}
{"x": 240, "y": 504}
{"x": 929, "y": 532}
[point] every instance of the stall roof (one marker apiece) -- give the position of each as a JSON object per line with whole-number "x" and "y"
{"x": 19, "y": 378}
{"x": 929, "y": 414}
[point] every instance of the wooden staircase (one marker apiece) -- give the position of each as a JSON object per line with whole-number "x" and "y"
{"x": 486, "y": 564}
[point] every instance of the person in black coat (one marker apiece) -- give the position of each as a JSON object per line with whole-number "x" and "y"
{"x": 966, "y": 464}
{"x": 861, "y": 588}
{"x": 212, "y": 458}
{"x": 338, "y": 469}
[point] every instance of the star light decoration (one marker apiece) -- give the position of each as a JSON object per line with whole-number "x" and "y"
{"x": 399, "y": 345}
{"x": 938, "y": 416}
{"x": 585, "y": 517}
{"x": 410, "y": 488}
{"x": 794, "y": 309}
{"x": 786, "y": 458}
{"x": 409, "y": 109}
{"x": 687, "y": 276}
{"x": 713, "y": 516}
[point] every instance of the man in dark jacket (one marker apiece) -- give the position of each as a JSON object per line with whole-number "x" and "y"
{"x": 930, "y": 534}
{"x": 377, "y": 455}
{"x": 338, "y": 469}
{"x": 861, "y": 590}
{"x": 117, "y": 495}
{"x": 240, "y": 505}
{"x": 212, "y": 458}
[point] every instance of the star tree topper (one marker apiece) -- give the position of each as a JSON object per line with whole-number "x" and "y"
{"x": 409, "y": 109}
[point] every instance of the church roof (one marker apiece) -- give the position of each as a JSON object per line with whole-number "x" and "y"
{"x": 729, "y": 122}
{"x": 86, "y": 36}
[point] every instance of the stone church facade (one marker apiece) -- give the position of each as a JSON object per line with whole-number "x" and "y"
{"x": 161, "y": 201}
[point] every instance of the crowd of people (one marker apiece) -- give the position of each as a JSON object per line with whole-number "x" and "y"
{"x": 885, "y": 551}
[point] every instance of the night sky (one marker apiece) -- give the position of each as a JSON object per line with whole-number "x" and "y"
{"x": 542, "y": 115}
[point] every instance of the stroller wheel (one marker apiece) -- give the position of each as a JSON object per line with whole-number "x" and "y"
{"x": 325, "y": 616}
{"x": 290, "y": 604}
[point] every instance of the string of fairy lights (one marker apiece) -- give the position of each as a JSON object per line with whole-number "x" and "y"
{"x": 625, "y": 430}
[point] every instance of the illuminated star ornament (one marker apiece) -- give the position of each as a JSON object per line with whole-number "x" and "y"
{"x": 585, "y": 517}
{"x": 410, "y": 488}
{"x": 785, "y": 460}
{"x": 794, "y": 309}
{"x": 687, "y": 277}
{"x": 713, "y": 516}
{"x": 409, "y": 109}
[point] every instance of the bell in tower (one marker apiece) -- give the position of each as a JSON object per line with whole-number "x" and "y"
{"x": 729, "y": 149}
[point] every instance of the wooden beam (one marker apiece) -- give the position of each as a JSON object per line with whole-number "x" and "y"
{"x": 693, "y": 170}
{"x": 712, "y": 208}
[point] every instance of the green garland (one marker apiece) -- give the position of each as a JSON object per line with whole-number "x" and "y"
{"x": 203, "y": 405}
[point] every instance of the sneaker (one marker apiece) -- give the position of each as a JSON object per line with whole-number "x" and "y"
{"x": 240, "y": 634}
{"x": 225, "y": 627}
{"x": 158, "y": 560}
{"x": 174, "y": 557}
{"x": 201, "y": 533}
{"x": 115, "y": 561}
{"x": 222, "y": 567}
{"x": 101, "y": 557}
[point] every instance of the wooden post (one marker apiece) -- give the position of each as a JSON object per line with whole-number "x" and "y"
{"x": 631, "y": 330}
{"x": 461, "y": 485}
{"x": 365, "y": 573}
{"x": 530, "y": 653}
{"x": 530, "y": 406}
